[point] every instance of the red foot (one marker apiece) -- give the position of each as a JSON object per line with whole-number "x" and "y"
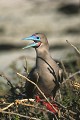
{"x": 48, "y": 106}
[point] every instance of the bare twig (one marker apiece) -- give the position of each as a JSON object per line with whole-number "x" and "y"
{"x": 22, "y": 102}
{"x": 4, "y": 104}
{"x": 6, "y": 78}
{"x": 23, "y": 116}
{"x": 74, "y": 47}
{"x": 64, "y": 69}
{"x": 72, "y": 112}
{"x": 25, "y": 100}
{"x": 62, "y": 106}
{"x": 38, "y": 89}
{"x": 17, "y": 101}
{"x": 29, "y": 105}
{"x": 8, "y": 106}
{"x": 78, "y": 72}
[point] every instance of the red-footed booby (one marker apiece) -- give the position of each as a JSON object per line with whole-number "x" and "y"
{"x": 46, "y": 73}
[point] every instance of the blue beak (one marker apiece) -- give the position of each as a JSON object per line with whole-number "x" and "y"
{"x": 34, "y": 38}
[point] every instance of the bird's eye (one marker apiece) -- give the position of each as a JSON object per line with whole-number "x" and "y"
{"x": 37, "y": 37}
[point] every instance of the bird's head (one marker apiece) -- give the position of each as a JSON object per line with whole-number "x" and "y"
{"x": 38, "y": 39}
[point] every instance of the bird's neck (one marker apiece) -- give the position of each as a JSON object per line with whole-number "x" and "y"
{"x": 42, "y": 55}
{"x": 42, "y": 52}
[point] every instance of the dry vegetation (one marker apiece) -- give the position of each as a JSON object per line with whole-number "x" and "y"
{"x": 65, "y": 106}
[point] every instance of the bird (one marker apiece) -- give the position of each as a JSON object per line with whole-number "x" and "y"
{"x": 46, "y": 74}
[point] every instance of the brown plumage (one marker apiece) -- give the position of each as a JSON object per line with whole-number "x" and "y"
{"x": 46, "y": 73}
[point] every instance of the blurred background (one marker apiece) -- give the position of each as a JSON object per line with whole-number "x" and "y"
{"x": 59, "y": 20}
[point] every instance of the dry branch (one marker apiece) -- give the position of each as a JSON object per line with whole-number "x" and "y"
{"x": 6, "y": 78}
{"x": 29, "y": 105}
{"x": 38, "y": 89}
{"x": 23, "y": 116}
{"x": 74, "y": 47}
{"x": 71, "y": 76}
{"x": 8, "y": 106}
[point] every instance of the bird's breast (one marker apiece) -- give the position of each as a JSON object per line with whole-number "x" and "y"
{"x": 46, "y": 79}
{"x": 48, "y": 74}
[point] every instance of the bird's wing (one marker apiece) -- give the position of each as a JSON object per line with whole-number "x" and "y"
{"x": 60, "y": 74}
{"x": 58, "y": 77}
{"x": 33, "y": 76}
